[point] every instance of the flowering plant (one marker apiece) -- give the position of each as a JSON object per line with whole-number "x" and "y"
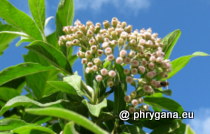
{"x": 132, "y": 65}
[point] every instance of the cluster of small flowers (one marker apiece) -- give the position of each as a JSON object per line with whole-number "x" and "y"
{"x": 141, "y": 51}
{"x": 135, "y": 102}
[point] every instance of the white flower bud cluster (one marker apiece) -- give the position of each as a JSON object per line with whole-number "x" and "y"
{"x": 140, "y": 52}
{"x": 136, "y": 103}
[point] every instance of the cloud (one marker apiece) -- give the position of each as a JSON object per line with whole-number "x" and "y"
{"x": 201, "y": 122}
{"x": 122, "y": 5}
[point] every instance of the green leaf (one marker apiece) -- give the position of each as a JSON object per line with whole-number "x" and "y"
{"x": 37, "y": 8}
{"x": 33, "y": 129}
{"x": 22, "y": 70}
{"x": 95, "y": 109}
{"x": 11, "y": 123}
{"x": 24, "y": 101}
{"x": 67, "y": 115}
{"x": 53, "y": 39}
{"x": 5, "y": 39}
{"x": 22, "y": 40}
{"x": 131, "y": 129}
{"x": 76, "y": 82}
{"x": 166, "y": 92}
{"x": 61, "y": 87}
{"x": 189, "y": 130}
{"x": 39, "y": 87}
{"x": 50, "y": 53}
{"x": 119, "y": 91}
{"x": 72, "y": 59}
{"x": 170, "y": 41}
{"x": 7, "y": 93}
{"x": 164, "y": 103}
{"x": 69, "y": 128}
{"x": 12, "y": 15}
{"x": 181, "y": 62}
{"x": 15, "y": 33}
{"x": 64, "y": 15}
{"x": 168, "y": 128}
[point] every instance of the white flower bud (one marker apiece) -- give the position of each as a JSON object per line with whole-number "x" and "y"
{"x": 99, "y": 78}
{"x": 94, "y": 68}
{"x": 148, "y": 89}
{"x": 131, "y": 109}
{"x": 123, "y": 53}
{"x": 142, "y": 42}
{"x": 129, "y": 79}
{"x": 93, "y": 48}
{"x": 124, "y": 35}
{"x": 145, "y": 107}
{"x": 140, "y": 100}
{"x": 100, "y": 52}
{"x": 151, "y": 74}
{"x": 104, "y": 71}
{"x": 112, "y": 73}
{"x": 97, "y": 61}
{"x": 119, "y": 60}
{"x": 134, "y": 102}
{"x": 105, "y": 44}
{"x": 134, "y": 63}
{"x": 89, "y": 64}
{"x": 84, "y": 60}
{"x": 151, "y": 66}
{"x": 121, "y": 41}
{"x": 110, "y": 57}
{"x": 110, "y": 83}
{"x": 127, "y": 98}
{"x": 127, "y": 60}
{"x": 134, "y": 71}
{"x": 142, "y": 69}
{"x": 108, "y": 50}
{"x": 126, "y": 71}
{"x": 106, "y": 24}
{"x": 88, "y": 70}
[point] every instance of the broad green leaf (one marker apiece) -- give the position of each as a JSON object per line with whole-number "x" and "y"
{"x": 12, "y": 16}
{"x": 76, "y": 82}
{"x": 64, "y": 15}
{"x": 24, "y": 101}
{"x": 189, "y": 130}
{"x": 6, "y": 132}
{"x": 164, "y": 103}
{"x": 168, "y": 128}
{"x": 53, "y": 39}
{"x": 5, "y": 39}
{"x": 72, "y": 59}
{"x": 69, "y": 128}
{"x": 60, "y": 86}
{"x": 181, "y": 62}
{"x": 15, "y": 33}
{"x": 119, "y": 91}
{"x": 95, "y": 109}
{"x": 22, "y": 70}
{"x": 7, "y": 93}
{"x": 33, "y": 129}
{"x": 37, "y": 8}
{"x": 11, "y": 123}
{"x": 39, "y": 87}
{"x": 22, "y": 40}
{"x": 132, "y": 129}
{"x": 68, "y": 115}
{"x": 51, "y": 54}
{"x": 165, "y": 92}
{"x": 170, "y": 41}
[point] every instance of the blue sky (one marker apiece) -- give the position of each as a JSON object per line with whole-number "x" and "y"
{"x": 191, "y": 86}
